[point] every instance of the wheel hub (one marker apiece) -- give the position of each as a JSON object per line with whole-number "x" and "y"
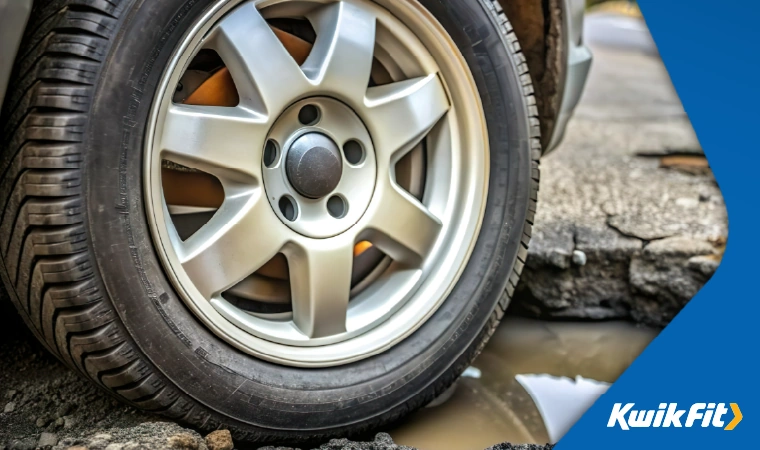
{"x": 314, "y": 165}
{"x": 322, "y": 181}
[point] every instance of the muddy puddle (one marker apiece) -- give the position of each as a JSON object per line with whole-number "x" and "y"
{"x": 565, "y": 365}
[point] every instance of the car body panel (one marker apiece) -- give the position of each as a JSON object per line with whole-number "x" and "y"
{"x": 578, "y": 64}
{"x": 14, "y": 15}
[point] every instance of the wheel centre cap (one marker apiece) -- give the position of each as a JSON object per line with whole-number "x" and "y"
{"x": 313, "y": 185}
{"x": 314, "y": 165}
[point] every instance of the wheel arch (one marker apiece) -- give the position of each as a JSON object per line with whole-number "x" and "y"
{"x": 541, "y": 28}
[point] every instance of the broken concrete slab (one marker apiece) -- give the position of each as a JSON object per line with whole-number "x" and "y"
{"x": 667, "y": 274}
{"x": 651, "y": 234}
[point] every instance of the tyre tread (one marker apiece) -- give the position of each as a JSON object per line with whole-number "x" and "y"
{"x": 49, "y": 272}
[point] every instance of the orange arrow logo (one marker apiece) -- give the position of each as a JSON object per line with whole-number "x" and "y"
{"x": 737, "y": 417}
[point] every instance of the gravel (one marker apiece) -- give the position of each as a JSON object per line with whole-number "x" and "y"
{"x": 145, "y": 436}
{"x": 44, "y": 400}
{"x": 219, "y": 440}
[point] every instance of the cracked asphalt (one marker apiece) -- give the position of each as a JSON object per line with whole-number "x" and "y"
{"x": 630, "y": 221}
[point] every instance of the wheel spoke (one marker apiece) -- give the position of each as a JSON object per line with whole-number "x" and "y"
{"x": 265, "y": 74}
{"x": 320, "y": 275}
{"x": 402, "y": 227}
{"x": 243, "y": 235}
{"x": 214, "y": 139}
{"x": 400, "y": 114}
{"x": 341, "y": 60}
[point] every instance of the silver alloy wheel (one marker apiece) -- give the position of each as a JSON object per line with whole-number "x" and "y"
{"x": 432, "y": 98}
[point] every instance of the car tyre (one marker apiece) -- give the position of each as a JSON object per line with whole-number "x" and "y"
{"x": 80, "y": 265}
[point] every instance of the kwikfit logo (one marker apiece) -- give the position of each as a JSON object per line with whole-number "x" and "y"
{"x": 668, "y": 415}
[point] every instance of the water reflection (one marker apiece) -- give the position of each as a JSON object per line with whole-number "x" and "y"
{"x": 561, "y": 400}
{"x": 495, "y": 407}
